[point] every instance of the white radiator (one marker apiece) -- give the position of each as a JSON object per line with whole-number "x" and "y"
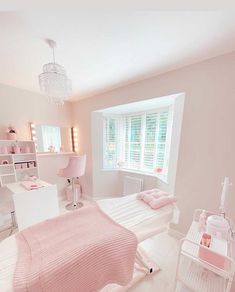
{"x": 132, "y": 185}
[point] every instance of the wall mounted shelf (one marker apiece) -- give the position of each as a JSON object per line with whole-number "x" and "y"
{"x": 18, "y": 163}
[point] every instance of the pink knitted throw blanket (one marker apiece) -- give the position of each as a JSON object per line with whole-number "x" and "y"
{"x": 81, "y": 251}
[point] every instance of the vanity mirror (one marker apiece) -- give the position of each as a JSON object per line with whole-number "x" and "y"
{"x": 52, "y": 138}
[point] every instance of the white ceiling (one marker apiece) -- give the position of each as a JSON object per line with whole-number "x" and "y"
{"x": 105, "y": 50}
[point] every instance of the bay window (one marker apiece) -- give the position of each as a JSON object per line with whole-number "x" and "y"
{"x": 138, "y": 141}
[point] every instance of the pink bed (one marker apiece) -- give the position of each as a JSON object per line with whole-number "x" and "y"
{"x": 129, "y": 212}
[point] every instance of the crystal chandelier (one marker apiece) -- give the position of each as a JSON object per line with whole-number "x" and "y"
{"x": 53, "y": 81}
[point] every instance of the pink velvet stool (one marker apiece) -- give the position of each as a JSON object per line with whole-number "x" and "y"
{"x": 74, "y": 170}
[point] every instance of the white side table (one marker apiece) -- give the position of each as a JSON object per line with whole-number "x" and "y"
{"x": 200, "y": 275}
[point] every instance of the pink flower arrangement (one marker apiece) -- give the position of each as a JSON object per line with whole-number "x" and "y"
{"x": 121, "y": 163}
{"x": 158, "y": 170}
{"x": 51, "y": 148}
{"x": 10, "y": 129}
{"x": 11, "y": 133}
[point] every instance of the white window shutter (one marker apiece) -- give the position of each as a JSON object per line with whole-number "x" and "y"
{"x": 134, "y": 147}
{"x": 138, "y": 141}
{"x": 110, "y": 141}
{"x": 161, "y": 139}
{"x": 151, "y": 123}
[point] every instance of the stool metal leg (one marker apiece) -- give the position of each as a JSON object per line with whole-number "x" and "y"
{"x": 75, "y": 204}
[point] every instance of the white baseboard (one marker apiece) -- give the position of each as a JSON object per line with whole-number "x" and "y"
{"x": 176, "y": 234}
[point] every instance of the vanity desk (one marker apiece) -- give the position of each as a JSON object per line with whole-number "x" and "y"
{"x": 29, "y": 207}
{"x": 19, "y": 161}
{"x": 17, "y": 188}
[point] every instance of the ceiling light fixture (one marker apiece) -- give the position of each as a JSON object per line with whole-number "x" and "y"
{"x": 53, "y": 81}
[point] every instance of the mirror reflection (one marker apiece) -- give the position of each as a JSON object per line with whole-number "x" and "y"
{"x": 53, "y": 138}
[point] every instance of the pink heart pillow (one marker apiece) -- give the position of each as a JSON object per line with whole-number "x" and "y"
{"x": 147, "y": 198}
{"x": 142, "y": 194}
{"x": 139, "y": 196}
{"x": 159, "y": 195}
{"x": 162, "y": 201}
{"x": 154, "y": 192}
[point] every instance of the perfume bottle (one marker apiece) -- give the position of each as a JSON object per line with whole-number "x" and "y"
{"x": 206, "y": 240}
{"x": 202, "y": 221}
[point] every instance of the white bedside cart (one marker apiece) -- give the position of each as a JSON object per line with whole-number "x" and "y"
{"x": 196, "y": 274}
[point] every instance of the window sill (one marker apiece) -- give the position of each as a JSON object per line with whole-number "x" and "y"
{"x": 161, "y": 177}
{"x": 53, "y": 153}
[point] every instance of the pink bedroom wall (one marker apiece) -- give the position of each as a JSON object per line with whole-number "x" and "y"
{"x": 207, "y": 144}
{"x": 18, "y": 108}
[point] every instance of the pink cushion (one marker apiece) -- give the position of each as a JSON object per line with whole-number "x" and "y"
{"x": 162, "y": 201}
{"x": 148, "y": 192}
{"x": 158, "y": 195}
{"x": 139, "y": 196}
{"x": 153, "y": 190}
{"x": 147, "y": 198}
{"x": 161, "y": 193}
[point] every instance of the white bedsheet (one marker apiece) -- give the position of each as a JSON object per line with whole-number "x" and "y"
{"x": 137, "y": 216}
{"x": 127, "y": 211}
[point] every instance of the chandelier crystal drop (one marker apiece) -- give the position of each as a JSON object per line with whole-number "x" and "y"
{"x": 53, "y": 81}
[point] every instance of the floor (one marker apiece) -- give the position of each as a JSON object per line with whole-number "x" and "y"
{"x": 163, "y": 250}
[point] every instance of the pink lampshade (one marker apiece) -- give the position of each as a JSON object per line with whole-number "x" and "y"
{"x": 75, "y": 168}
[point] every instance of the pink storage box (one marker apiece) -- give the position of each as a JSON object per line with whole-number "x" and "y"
{"x": 24, "y": 165}
{"x": 215, "y": 254}
{"x": 18, "y": 166}
{"x": 4, "y": 150}
{"x": 31, "y": 164}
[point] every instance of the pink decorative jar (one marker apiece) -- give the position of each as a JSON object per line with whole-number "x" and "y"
{"x": 4, "y": 150}
{"x": 27, "y": 149}
{"x": 11, "y": 133}
{"x": 11, "y": 136}
{"x": 16, "y": 149}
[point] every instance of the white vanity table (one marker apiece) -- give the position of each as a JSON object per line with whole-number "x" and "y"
{"x": 32, "y": 206}
{"x": 17, "y": 188}
{"x": 15, "y": 165}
